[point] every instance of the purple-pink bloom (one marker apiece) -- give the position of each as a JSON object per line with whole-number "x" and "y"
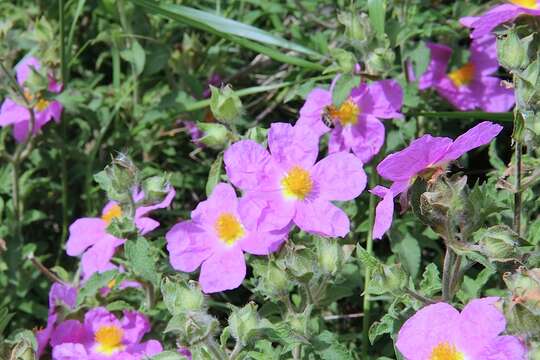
{"x": 423, "y": 154}
{"x": 439, "y": 331}
{"x": 59, "y": 295}
{"x": 356, "y": 121}
{"x": 470, "y": 86}
{"x": 485, "y": 23}
{"x": 12, "y": 113}
{"x": 104, "y": 336}
{"x": 89, "y": 237}
{"x": 287, "y": 184}
{"x": 216, "y": 238}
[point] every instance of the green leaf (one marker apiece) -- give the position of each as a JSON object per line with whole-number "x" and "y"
{"x": 92, "y": 286}
{"x": 408, "y": 250}
{"x": 377, "y": 11}
{"x": 344, "y": 84}
{"x": 140, "y": 257}
{"x": 384, "y": 326}
{"x": 328, "y": 347}
{"x": 420, "y": 57}
{"x": 471, "y": 288}
{"x": 214, "y": 176}
{"x": 494, "y": 158}
{"x": 242, "y": 34}
{"x": 431, "y": 280}
{"x": 368, "y": 260}
{"x": 168, "y": 355}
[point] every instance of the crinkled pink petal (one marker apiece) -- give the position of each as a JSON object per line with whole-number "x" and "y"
{"x": 165, "y": 203}
{"x": 98, "y": 317}
{"x": 83, "y": 233}
{"x": 339, "y": 176}
{"x": 134, "y": 325}
{"x": 495, "y": 97}
{"x": 146, "y": 225}
{"x": 384, "y": 211}
{"x": 70, "y": 351}
{"x": 367, "y": 138}
{"x": 484, "y": 55}
{"x": 264, "y": 243}
{"x": 222, "y": 271}
{"x": 12, "y": 113}
{"x": 504, "y": 348}
{"x": 246, "y": 163}
{"x": 61, "y": 294}
{"x": 436, "y": 71}
{"x": 480, "y": 322}
{"x": 462, "y": 98}
{"x": 24, "y": 68}
{"x": 293, "y": 146}
{"x": 222, "y": 200}
{"x": 312, "y": 111}
{"x": 98, "y": 257}
{"x": 426, "y": 329}
{"x": 420, "y": 154}
{"x": 322, "y": 218}
{"x": 144, "y": 350}
{"x": 479, "y": 135}
{"x": 383, "y": 99}
{"x": 467, "y": 21}
{"x": 44, "y": 335}
{"x": 70, "y": 331}
{"x": 337, "y": 141}
{"x": 496, "y": 16}
{"x": 188, "y": 245}
{"x": 266, "y": 211}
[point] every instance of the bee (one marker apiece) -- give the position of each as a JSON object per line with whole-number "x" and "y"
{"x": 327, "y": 118}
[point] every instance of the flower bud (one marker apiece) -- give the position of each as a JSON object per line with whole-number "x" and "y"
{"x": 511, "y": 50}
{"x": 272, "y": 281}
{"x": 155, "y": 188}
{"x": 525, "y": 288}
{"x": 118, "y": 179}
{"x": 181, "y": 297}
{"x": 329, "y": 255}
{"x": 216, "y": 136}
{"x": 357, "y": 26}
{"x": 243, "y": 322}
{"x": 345, "y": 60}
{"x": 225, "y": 104}
{"x": 380, "y": 60}
{"x": 498, "y": 243}
{"x": 387, "y": 278}
{"x": 192, "y": 327}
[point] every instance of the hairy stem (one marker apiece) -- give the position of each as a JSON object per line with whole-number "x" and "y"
{"x": 447, "y": 274}
{"x": 517, "y": 194}
{"x": 367, "y": 278}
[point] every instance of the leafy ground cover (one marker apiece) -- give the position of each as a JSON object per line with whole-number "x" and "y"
{"x": 269, "y": 180}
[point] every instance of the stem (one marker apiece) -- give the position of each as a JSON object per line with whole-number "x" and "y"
{"x": 456, "y": 275}
{"x": 419, "y": 297}
{"x": 48, "y": 273}
{"x": 369, "y": 248}
{"x": 214, "y": 348}
{"x": 517, "y": 194}
{"x": 447, "y": 274}
{"x": 238, "y": 347}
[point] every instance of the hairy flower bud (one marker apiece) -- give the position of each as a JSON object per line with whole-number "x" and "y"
{"x": 498, "y": 243}
{"x": 329, "y": 255}
{"x": 155, "y": 188}
{"x": 225, "y": 104}
{"x": 215, "y": 136}
{"x": 511, "y": 50}
{"x": 181, "y": 296}
{"x": 243, "y": 321}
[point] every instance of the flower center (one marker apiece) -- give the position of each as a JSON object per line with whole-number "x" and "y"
{"x": 109, "y": 339}
{"x": 445, "y": 351}
{"x": 346, "y": 114}
{"x": 41, "y": 104}
{"x": 297, "y": 183}
{"x": 528, "y": 4}
{"x": 228, "y": 228}
{"x": 463, "y": 75}
{"x": 114, "y": 212}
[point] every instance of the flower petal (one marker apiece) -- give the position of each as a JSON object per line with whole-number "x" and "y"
{"x": 313, "y": 109}
{"x": 293, "y": 146}
{"x": 98, "y": 257}
{"x": 427, "y": 328}
{"x": 134, "y": 326}
{"x": 246, "y": 163}
{"x": 70, "y": 331}
{"x": 223, "y": 199}
{"x": 264, "y": 243}
{"x": 222, "y": 271}
{"x": 504, "y": 348}
{"x": 479, "y": 135}
{"x": 70, "y": 351}
{"x": 263, "y": 212}
{"x": 384, "y": 211}
{"x": 383, "y": 99}
{"x": 188, "y": 245}
{"x": 83, "y": 233}
{"x": 24, "y": 68}
{"x": 423, "y": 152}
{"x": 320, "y": 217}
{"x": 367, "y": 138}
{"x": 339, "y": 176}
{"x": 436, "y": 71}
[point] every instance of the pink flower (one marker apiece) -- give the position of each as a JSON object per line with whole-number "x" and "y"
{"x": 423, "y": 154}
{"x": 470, "y": 86}
{"x": 216, "y": 238}
{"x": 89, "y": 237}
{"x": 287, "y": 185}
{"x": 103, "y": 336}
{"x": 59, "y": 295}
{"x": 439, "y": 331}
{"x": 356, "y": 122}
{"x": 484, "y": 24}
{"x": 11, "y": 113}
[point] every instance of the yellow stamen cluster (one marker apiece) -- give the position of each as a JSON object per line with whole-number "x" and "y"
{"x": 114, "y": 212}
{"x": 346, "y": 114}
{"x": 41, "y": 104}
{"x": 446, "y": 351}
{"x": 297, "y": 183}
{"x": 528, "y": 4}
{"x": 462, "y": 76}
{"x": 109, "y": 339}
{"x": 228, "y": 228}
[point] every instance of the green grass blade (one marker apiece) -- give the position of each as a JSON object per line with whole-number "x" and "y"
{"x": 220, "y": 25}
{"x": 470, "y": 115}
